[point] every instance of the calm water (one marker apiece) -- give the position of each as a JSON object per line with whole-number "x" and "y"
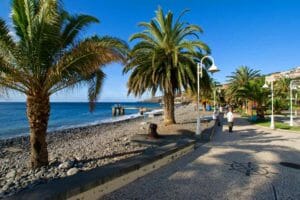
{"x": 13, "y": 121}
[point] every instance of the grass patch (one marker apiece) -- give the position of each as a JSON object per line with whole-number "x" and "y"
{"x": 278, "y": 125}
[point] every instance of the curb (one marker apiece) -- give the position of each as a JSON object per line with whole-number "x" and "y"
{"x": 269, "y": 129}
{"x": 276, "y": 129}
{"x": 208, "y": 134}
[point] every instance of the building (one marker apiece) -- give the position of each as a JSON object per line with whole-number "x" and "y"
{"x": 293, "y": 74}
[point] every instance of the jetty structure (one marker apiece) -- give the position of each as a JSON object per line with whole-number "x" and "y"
{"x": 119, "y": 110}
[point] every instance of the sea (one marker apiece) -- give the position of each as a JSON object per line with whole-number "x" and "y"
{"x": 13, "y": 120}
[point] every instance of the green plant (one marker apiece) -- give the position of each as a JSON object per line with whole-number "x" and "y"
{"x": 47, "y": 56}
{"x": 280, "y": 105}
{"x": 278, "y": 125}
{"x": 238, "y": 80}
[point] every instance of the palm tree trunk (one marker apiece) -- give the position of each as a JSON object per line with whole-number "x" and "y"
{"x": 249, "y": 107}
{"x": 169, "y": 115}
{"x": 204, "y": 106}
{"x": 244, "y": 107}
{"x": 260, "y": 112}
{"x": 38, "y": 108}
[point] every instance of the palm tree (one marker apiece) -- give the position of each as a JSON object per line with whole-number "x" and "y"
{"x": 48, "y": 56}
{"x": 282, "y": 87}
{"x": 254, "y": 92}
{"x": 237, "y": 81}
{"x": 242, "y": 75}
{"x": 164, "y": 59}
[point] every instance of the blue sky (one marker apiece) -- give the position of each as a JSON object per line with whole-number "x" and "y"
{"x": 262, "y": 34}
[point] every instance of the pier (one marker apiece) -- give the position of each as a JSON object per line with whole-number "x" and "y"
{"x": 119, "y": 110}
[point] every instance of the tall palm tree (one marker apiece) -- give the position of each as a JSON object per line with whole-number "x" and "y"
{"x": 237, "y": 81}
{"x": 241, "y": 77}
{"x": 254, "y": 92}
{"x": 282, "y": 94}
{"x": 164, "y": 59}
{"x": 48, "y": 56}
{"x": 282, "y": 87}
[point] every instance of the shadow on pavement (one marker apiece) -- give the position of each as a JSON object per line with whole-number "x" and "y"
{"x": 244, "y": 164}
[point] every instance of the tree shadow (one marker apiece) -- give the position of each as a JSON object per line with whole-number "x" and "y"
{"x": 244, "y": 165}
{"x": 163, "y": 139}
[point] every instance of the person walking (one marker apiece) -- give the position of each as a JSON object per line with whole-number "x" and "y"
{"x": 230, "y": 119}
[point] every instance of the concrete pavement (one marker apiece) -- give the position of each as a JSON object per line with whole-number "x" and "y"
{"x": 244, "y": 165}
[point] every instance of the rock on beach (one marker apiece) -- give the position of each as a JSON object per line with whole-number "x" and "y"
{"x": 72, "y": 171}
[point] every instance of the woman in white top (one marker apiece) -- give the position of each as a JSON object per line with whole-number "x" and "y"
{"x": 230, "y": 119}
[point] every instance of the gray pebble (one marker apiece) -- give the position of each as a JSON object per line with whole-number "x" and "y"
{"x": 11, "y": 174}
{"x": 66, "y": 165}
{"x": 72, "y": 171}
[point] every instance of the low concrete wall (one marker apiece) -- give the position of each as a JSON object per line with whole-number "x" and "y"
{"x": 209, "y": 128}
{"x": 100, "y": 181}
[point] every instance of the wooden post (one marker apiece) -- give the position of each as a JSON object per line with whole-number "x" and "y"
{"x": 113, "y": 110}
{"x": 118, "y": 110}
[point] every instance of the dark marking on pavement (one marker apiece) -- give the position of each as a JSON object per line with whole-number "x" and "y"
{"x": 290, "y": 165}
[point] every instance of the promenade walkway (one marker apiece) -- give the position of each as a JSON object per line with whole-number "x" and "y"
{"x": 243, "y": 165}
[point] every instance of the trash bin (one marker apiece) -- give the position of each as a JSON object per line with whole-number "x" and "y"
{"x": 253, "y": 118}
{"x": 208, "y": 108}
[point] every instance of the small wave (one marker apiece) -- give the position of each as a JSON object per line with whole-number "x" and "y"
{"x": 154, "y": 111}
{"x": 98, "y": 122}
{"x": 107, "y": 120}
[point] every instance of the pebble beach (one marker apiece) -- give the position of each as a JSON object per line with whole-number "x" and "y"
{"x": 81, "y": 149}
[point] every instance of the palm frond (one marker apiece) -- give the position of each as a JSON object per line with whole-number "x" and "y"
{"x": 84, "y": 59}
{"x": 49, "y": 55}
{"x": 74, "y": 25}
{"x": 95, "y": 84}
{"x": 164, "y": 58}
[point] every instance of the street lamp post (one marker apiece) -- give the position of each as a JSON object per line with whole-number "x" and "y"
{"x": 291, "y": 103}
{"x": 296, "y": 96}
{"x": 198, "y": 98}
{"x": 213, "y": 68}
{"x": 272, "y": 126}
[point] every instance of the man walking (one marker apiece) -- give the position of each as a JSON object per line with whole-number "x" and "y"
{"x": 230, "y": 119}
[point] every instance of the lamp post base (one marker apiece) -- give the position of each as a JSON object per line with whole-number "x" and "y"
{"x": 291, "y": 122}
{"x": 272, "y": 126}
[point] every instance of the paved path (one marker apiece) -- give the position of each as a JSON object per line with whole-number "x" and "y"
{"x": 239, "y": 165}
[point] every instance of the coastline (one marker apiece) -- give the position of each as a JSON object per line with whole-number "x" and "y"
{"x": 64, "y": 116}
{"x": 81, "y": 149}
{"x": 109, "y": 120}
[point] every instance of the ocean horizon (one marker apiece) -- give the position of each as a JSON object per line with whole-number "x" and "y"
{"x": 64, "y": 115}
